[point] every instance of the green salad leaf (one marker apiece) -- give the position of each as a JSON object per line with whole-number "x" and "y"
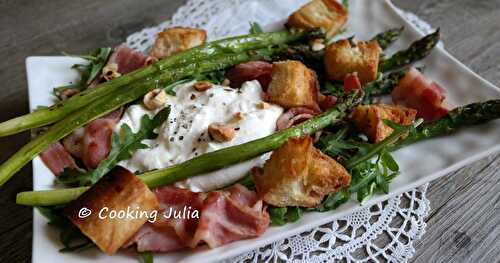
{"x": 96, "y": 62}
{"x": 146, "y": 257}
{"x": 255, "y": 28}
{"x": 70, "y": 236}
{"x": 282, "y": 215}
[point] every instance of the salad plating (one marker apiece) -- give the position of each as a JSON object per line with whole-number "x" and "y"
{"x": 315, "y": 105}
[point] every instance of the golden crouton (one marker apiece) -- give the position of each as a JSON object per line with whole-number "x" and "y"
{"x": 341, "y": 59}
{"x": 328, "y": 15}
{"x": 369, "y": 119}
{"x": 293, "y": 85}
{"x": 176, "y": 39}
{"x": 100, "y": 212}
{"x": 297, "y": 174}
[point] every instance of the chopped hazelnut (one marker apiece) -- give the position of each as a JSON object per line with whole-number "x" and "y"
{"x": 155, "y": 99}
{"x": 202, "y": 85}
{"x": 226, "y": 82}
{"x": 150, "y": 61}
{"x": 221, "y": 132}
{"x": 110, "y": 71}
{"x": 239, "y": 116}
{"x": 317, "y": 44}
{"x": 263, "y": 105}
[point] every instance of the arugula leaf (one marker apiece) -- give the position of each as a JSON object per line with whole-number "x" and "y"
{"x": 277, "y": 215}
{"x": 146, "y": 257}
{"x": 345, "y": 3}
{"x": 334, "y": 200}
{"x": 70, "y": 236}
{"x": 74, "y": 177}
{"x": 97, "y": 60}
{"x": 122, "y": 148}
{"x": 389, "y": 162}
{"x": 282, "y": 215}
{"x": 255, "y": 28}
{"x": 369, "y": 176}
{"x": 337, "y": 144}
{"x": 294, "y": 213}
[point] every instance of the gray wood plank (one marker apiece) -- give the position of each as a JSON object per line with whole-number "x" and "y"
{"x": 463, "y": 226}
{"x": 464, "y": 222}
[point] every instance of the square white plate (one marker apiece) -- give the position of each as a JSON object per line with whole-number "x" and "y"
{"x": 420, "y": 163}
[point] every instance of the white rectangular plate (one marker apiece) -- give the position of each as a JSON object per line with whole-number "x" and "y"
{"x": 420, "y": 163}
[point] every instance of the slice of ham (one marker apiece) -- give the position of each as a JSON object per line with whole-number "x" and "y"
{"x": 224, "y": 216}
{"x": 156, "y": 238}
{"x": 253, "y": 70}
{"x": 174, "y": 199}
{"x": 96, "y": 141}
{"x": 127, "y": 59}
{"x": 227, "y": 218}
{"x": 351, "y": 82}
{"x": 294, "y": 116}
{"x": 326, "y": 101}
{"x": 56, "y": 158}
{"x": 92, "y": 143}
{"x": 417, "y": 92}
{"x": 74, "y": 143}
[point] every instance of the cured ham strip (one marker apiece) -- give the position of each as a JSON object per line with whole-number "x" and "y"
{"x": 92, "y": 143}
{"x": 229, "y": 218}
{"x": 253, "y": 70}
{"x": 173, "y": 199}
{"x": 224, "y": 216}
{"x": 326, "y": 101}
{"x": 127, "y": 59}
{"x": 351, "y": 82}
{"x": 417, "y": 92}
{"x": 56, "y": 158}
{"x": 294, "y": 116}
{"x": 96, "y": 141}
{"x": 74, "y": 143}
{"x": 158, "y": 239}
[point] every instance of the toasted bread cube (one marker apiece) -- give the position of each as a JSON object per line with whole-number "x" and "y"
{"x": 341, "y": 58}
{"x": 176, "y": 39}
{"x": 297, "y": 174}
{"x": 369, "y": 119}
{"x": 119, "y": 190}
{"x": 328, "y": 15}
{"x": 293, "y": 85}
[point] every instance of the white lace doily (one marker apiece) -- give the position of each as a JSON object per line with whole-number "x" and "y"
{"x": 382, "y": 233}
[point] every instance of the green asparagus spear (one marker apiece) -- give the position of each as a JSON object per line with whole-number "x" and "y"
{"x": 109, "y": 103}
{"x": 207, "y": 162}
{"x": 468, "y": 115}
{"x": 232, "y": 45}
{"x": 417, "y": 51}
{"x": 385, "y": 39}
{"x": 383, "y": 85}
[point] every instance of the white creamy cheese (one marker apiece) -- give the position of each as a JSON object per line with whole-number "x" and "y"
{"x": 184, "y": 135}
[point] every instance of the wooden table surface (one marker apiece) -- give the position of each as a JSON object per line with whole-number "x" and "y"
{"x": 464, "y": 223}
